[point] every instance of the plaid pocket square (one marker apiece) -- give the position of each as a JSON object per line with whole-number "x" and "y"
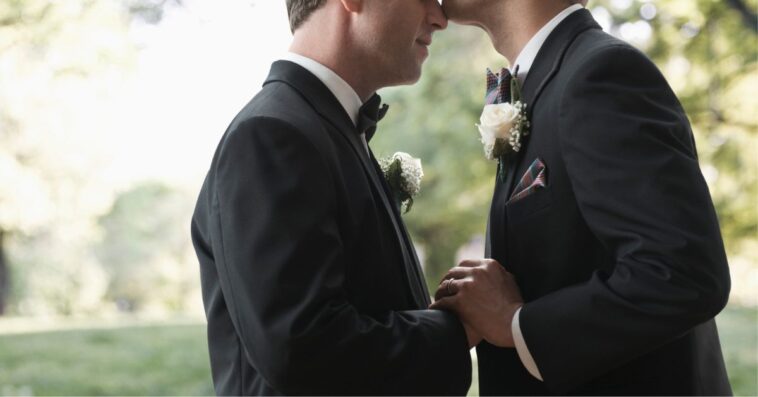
{"x": 534, "y": 178}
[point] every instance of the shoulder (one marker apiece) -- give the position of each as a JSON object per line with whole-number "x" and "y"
{"x": 621, "y": 88}
{"x": 596, "y": 44}
{"x": 278, "y": 114}
{"x": 277, "y": 103}
{"x": 597, "y": 57}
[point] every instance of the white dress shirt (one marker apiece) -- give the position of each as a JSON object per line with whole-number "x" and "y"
{"x": 344, "y": 93}
{"x": 524, "y": 61}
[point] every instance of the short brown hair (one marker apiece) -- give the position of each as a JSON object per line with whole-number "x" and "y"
{"x": 300, "y": 10}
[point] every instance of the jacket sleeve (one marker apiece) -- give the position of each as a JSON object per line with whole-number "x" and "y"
{"x": 281, "y": 267}
{"x": 633, "y": 168}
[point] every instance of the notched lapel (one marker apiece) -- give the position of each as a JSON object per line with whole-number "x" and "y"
{"x": 550, "y": 56}
{"x": 546, "y": 65}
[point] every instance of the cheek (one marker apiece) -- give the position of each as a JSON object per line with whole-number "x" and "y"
{"x": 393, "y": 35}
{"x": 399, "y": 38}
{"x": 374, "y": 40}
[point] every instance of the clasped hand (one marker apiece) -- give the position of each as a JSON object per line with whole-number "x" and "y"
{"x": 484, "y": 296}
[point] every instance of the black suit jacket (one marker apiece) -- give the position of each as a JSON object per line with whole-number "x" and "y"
{"x": 310, "y": 282}
{"x": 620, "y": 258}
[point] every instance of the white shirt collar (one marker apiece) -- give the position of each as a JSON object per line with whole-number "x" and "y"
{"x": 344, "y": 93}
{"x": 526, "y": 58}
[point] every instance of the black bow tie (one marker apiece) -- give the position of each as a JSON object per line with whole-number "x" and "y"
{"x": 369, "y": 115}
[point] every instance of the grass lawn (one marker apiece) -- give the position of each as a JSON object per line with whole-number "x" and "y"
{"x": 172, "y": 359}
{"x": 738, "y": 329}
{"x": 154, "y": 360}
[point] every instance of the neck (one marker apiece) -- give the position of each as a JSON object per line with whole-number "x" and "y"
{"x": 511, "y": 24}
{"x": 330, "y": 49}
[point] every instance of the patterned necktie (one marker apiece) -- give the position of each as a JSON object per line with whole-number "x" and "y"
{"x": 369, "y": 115}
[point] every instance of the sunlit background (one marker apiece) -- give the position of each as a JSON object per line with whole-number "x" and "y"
{"x": 110, "y": 111}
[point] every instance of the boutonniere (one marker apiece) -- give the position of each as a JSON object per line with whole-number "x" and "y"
{"x": 403, "y": 174}
{"x": 504, "y": 122}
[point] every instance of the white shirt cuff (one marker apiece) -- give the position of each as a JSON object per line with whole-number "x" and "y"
{"x": 523, "y": 351}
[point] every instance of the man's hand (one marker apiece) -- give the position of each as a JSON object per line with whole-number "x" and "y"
{"x": 484, "y": 296}
{"x": 473, "y": 337}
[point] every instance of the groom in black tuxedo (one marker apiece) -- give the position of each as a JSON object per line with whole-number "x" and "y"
{"x": 605, "y": 263}
{"x": 310, "y": 281}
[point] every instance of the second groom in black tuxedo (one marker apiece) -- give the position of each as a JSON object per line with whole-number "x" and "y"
{"x": 310, "y": 281}
{"x": 603, "y": 220}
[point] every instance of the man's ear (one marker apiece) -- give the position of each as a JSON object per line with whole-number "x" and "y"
{"x": 352, "y": 5}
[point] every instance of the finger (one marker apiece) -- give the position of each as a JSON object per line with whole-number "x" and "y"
{"x": 458, "y": 272}
{"x": 448, "y": 304}
{"x": 491, "y": 263}
{"x": 471, "y": 262}
{"x": 441, "y": 290}
{"x": 502, "y": 272}
{"x": 454, "y": 286}
{"x": 446, "y": 276}
{"x": 449, "y": 287}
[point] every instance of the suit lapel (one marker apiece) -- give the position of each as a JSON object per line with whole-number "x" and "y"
{"x": 549, "y": 58}
{"x": 546, "y": 65}
{"x": 324, "y": 102}
{"x": 421, "y": 292}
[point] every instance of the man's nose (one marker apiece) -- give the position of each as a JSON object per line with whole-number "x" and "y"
{"x": 436, "y": 16}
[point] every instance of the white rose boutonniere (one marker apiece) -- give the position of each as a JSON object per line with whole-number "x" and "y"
{"x": 500, "y": 129}
{"x": 504, "y": 122}
{"x": 403, "y": 174}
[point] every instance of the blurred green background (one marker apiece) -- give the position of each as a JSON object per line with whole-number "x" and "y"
{"x": 110, "y": 111}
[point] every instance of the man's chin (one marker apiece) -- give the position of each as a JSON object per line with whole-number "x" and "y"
{"x": 415, "y": 75}
{"x": 410, "y": 78}
{"x": 409, "y": 72}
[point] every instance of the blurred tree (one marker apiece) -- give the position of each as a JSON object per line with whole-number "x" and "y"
{"x": 149, "y": 11}
{"x": 59, "y": 61}
{"x": 748, "y": 15}
{"x": 145, "y": 248}
{"x": 4, "y": 282}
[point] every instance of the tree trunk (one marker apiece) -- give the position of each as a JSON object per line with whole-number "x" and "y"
{"x": 4, "y": 276}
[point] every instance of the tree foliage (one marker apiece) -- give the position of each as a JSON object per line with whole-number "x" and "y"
{"x": 59, "y": 63}
{"x": 73, "y": 239}
{"x": 145, "y": 248}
